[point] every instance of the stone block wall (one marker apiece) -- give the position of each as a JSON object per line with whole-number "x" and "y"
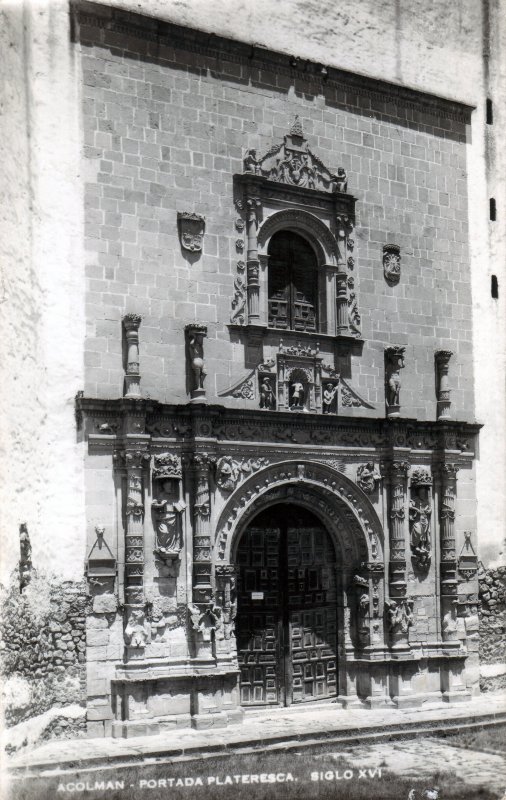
{"x": 166, "y": 125}
{"x": 492, "y": 615}
{"x": 42, "y": 646}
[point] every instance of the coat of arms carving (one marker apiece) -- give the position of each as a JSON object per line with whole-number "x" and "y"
{"x": 191, "y": 230}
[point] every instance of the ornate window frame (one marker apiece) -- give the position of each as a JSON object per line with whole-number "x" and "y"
{"x": 291, "y": 189}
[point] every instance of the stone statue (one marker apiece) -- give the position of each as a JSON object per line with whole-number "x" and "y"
{"x": 267, "y": 397}
{"x": 168, "y": 539}
{"x": 250, "y": 162}
{"x": 329, "y": 395}
{"x": 341, "y": 180}
{"x": 367, "y": 477}
{"x": 196, "y": 334}
{"x": 137, "y": 628}
{"x": 394, "y": 364}
{"x": 419, "y": 524}
{"x": 298, "y": 394}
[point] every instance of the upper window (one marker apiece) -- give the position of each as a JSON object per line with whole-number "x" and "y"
{"x": 293, "y": 283}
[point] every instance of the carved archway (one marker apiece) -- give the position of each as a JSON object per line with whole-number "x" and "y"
{"x": 306, "y": 224}
{"x": 345, "y": 510}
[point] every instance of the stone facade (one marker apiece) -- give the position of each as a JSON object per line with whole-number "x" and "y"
{"x": 202, "y": 406}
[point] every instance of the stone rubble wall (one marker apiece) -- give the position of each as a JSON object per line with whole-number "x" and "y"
{"x": 492, "y": 594}
{"x": 42, "y": 647}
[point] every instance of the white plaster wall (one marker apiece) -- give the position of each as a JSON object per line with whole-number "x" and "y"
{"x": 41, "y": 314}
{"x": 435, "y": 46}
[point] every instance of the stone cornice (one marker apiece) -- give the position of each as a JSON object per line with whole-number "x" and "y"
{"x": 161, "y": 34}
{"x": 108, "y": 419}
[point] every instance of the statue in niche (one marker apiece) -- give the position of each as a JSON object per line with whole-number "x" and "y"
{"x": 297, "y": 395}
{"x": 419, "y": 523}
{"x": 341, "y": 180}
{"x": 197, "y": 359}
{"x": 267, "y": 396}
{"x": 167, "y": 508}
{"x": 329, "y": 400}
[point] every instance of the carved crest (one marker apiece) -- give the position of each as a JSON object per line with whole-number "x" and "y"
{"x": 293, "y": 162}
{"x": 191, "y": 230}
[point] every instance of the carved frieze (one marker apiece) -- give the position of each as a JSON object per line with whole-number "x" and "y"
{"x": 191, "y": 230}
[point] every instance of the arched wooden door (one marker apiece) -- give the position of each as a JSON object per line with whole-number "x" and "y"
{"x": 287, "y": 609}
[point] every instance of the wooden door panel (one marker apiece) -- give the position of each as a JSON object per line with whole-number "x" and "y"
{"x": 287, "y": 617}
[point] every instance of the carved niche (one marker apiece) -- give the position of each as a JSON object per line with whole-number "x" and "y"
{"x": 399, "y": 615}
{"x": 167, "y": 506}
{"x": 195, "y": 335}
{"x": 191, "y": 230}
{"x": 394, "y": 362}
{"x": 420, "y": 512}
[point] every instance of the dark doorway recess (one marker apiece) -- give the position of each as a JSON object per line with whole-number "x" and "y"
{"x": 287, "y": 609}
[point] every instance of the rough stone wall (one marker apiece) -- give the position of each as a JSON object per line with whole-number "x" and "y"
{"x": 493, "y": 615}
{"x": 42, "y": 646}
{"x": 167, "y": 134}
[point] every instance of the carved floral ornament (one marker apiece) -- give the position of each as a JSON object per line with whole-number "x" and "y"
{"x": 392, "y": 263}
{"x": 326, "y": 486}
{"x": 293, "y": 162}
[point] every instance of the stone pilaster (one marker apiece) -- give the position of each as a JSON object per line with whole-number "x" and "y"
{"x": 204, "y": 614}
{"x": 132, "y": 388}
{"x": 397, "y": 527}
{"x": 442, "y": 361}
{"x": 449, "y": 583}
{"x": 342, "y": 303}
{"x": 252, "y": 261}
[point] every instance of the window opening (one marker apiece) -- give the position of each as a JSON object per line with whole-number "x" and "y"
{"x": 490, "y": 112}
{"x": 492, "y": 209}
{"x": 293, "y": 283}
{"x": 494, "y": 287}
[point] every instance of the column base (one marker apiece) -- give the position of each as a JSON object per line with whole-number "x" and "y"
{"x": 456, "y": 697}
{"x": 349, "y": 701}
{"x": 407, "y": 701}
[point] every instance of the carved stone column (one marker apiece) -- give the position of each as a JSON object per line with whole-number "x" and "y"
{"x": 136, "y": 625}
{"x": 253, "y": 264}
{"x": 131, "y": 323}
{"x": 398, "y": 474}
{"x": 342, "y": 303}
{"x": 195, "y": 335}
{"x": 449, "y": 583}
{"x": 204, "y": 615}
{"x": 442, "y": 359}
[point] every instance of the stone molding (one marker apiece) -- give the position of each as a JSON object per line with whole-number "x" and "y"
{"x": 162, "y": 33}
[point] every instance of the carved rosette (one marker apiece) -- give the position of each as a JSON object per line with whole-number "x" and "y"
{"x": 442, "y": 362}
{"x": 394, "y": 362}
{"x": 191, "y": 230}
{"x": 132, "y": 388}
{"x": 392, "y": 263}
{"x": 449, "y": 583}
{"x": 195, "y": 335}
{"x": 398, "y": 474}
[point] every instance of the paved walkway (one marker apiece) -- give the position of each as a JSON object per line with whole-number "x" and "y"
{"x": 419, "y": 759}
{"x": 262, "y": 730}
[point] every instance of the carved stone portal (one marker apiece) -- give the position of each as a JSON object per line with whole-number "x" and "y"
{"x": 191, "y": 230}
